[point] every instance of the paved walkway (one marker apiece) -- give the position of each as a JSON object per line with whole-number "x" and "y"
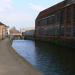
{"x": 12, "y": 64}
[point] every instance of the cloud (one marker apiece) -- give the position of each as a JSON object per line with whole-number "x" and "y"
{"x": 16, "y": 17}
{"x": 36, "y": 7}
{"x": 5, "y": 5}
{"x": 11, "y": 15}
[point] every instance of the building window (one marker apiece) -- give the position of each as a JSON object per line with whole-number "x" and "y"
{"x": 62, "y": 22}
{"x": 38, "y": 22}
{"x": 44, "y": 21}
{"x": 74, "y": 31}
{"x": 68, "y": 15}
{"x": 68, "y": 20}
{"x": 73, "y": 21}
{"x": 48, "y": 20}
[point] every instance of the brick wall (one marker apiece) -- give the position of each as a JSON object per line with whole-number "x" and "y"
{"x": 2, "y": 31}
{"x": 70, "y": 1}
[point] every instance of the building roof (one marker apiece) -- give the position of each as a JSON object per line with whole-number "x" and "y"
{"x": 14, "y": 31}
{"x": 3, "y": 24}
{"x": 50, "y": 10}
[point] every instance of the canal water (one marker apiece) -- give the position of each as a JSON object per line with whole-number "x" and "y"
{"x": 49, "y": 59}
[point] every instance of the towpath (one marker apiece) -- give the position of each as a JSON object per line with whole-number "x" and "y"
{"x": 12, "y": 64}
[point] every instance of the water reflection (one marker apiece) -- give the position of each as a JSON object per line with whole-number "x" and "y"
{"x": 26, "y": 49}
{"x": 49, "y": 59}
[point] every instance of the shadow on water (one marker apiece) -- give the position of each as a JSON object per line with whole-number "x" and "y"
{"x": 55, "y": 60}
{"x": 50, "y": 59}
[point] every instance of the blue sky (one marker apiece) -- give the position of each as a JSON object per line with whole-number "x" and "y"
{"x": 22, "y": 13}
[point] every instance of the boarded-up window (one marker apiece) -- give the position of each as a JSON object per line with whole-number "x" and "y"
{"x": 62, "y": 22}
{"x": 73, "y": 20}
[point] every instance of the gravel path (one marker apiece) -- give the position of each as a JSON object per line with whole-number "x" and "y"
{"x": 12, "y": 64}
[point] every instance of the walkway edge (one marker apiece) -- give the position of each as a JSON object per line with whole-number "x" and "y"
{"x": 22, "y": 60}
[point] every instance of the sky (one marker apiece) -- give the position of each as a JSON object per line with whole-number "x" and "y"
{"x": 22, "y": 13}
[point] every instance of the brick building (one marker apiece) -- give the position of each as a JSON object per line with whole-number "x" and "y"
{"x": 56, "y": 22}
{"x": 14, "y": 33}
{"x": 3, "y": 31}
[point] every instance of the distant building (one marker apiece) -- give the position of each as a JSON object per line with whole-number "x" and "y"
{"x": 13, "y": 32}
{"x": 3, "y": 31}
{"x": 22, "y": 30}
{"x": 29, "y": 34}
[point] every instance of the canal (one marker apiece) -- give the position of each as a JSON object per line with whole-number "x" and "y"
{"x": 49, "y": 59}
